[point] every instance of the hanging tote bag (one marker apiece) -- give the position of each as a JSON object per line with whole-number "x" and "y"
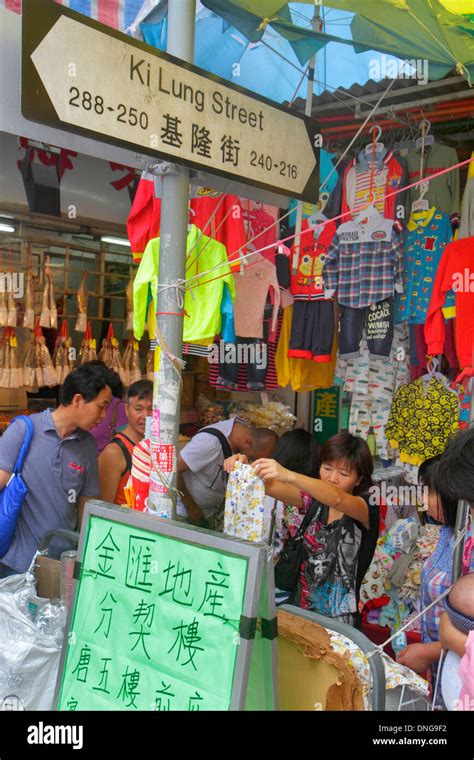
{"x": 12, "y": 496}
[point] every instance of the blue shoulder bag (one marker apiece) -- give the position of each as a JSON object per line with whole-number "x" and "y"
{"x": 12, "y": 496}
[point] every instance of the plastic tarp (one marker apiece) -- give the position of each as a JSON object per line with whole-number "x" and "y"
{"x": 29, "y": 660}
{"x": 423, "y": 29}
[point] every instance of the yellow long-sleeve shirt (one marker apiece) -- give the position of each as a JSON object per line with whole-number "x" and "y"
{"x": 203, "y": 306}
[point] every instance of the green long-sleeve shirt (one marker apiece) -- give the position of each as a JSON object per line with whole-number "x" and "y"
{"x": 444, "y": 191}
{"x": 202, "y": 254}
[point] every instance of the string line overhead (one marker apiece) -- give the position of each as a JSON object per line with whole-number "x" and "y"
{"x": 232, "y": 259}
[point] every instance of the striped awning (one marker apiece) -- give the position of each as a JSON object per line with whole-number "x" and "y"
{"x": 118, "y": 14}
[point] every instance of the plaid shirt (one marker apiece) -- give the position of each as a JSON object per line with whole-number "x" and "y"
{"x": 364, "y": 272}
{"x": 436, "y": 577}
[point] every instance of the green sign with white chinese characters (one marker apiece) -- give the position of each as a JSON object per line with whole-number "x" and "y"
{"x": 158, "y": 622}
{"x": 327, "y": 412}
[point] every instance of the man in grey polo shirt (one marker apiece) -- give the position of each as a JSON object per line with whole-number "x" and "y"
{"x": 60, "y": 469}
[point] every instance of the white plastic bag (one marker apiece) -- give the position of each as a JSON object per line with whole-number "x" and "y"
{"x": 29, "y": 660}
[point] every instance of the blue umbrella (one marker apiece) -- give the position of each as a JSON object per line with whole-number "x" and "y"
{"x": 268, "y": 67}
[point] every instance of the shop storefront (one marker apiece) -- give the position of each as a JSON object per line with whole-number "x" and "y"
{"x": 351, "y": 313}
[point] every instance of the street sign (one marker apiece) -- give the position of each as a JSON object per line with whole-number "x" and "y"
{"x": 88, "y": 78}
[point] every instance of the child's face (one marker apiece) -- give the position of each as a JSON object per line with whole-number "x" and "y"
{"x": 434, "y": 507}
{"x": 340, "y": 474}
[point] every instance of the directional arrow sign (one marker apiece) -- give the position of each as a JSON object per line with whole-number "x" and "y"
{"x": 87, "y": 78}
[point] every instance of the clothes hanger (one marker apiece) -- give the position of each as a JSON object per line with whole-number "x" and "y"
{"x": 426, "y": 138}
{"x": 379, "y": 146}
{"x": 421, "y": 143}
{"x": 432, "y": 365}
{"x": 323, "y": 201}
{"x": 316, "y": 219}
{"x": 405, "y": 141}
{"x": 422, "y": 204}
{"x": 368, "y": 213}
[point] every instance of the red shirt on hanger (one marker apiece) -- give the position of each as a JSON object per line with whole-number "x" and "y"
{"x": 307, "y": 283}
{"x": 455, "y": 272}
{"x": 226, "y": 226}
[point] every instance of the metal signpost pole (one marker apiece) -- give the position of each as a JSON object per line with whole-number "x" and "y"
{"x": 172, "y": 266}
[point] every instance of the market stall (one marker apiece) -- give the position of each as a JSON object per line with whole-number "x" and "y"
{"x": 238, "y": 308}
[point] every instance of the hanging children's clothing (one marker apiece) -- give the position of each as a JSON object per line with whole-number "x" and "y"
{"x": 226, "y": 225}
{"x": 227, "y": 333}
{"x": 306, "y": 282}
{"x": 385, "y": 176}
{"x": 426, "y": 236}
{"x": 143, "y": 221}
{"x": 252, "y": 288}
{"x": 261, "y": 227}
{"x": 333, "y": 204}
{"x": 419, "y": 349}
{"x": 268, "y": 377}
{"x": 464, "y": 397}
{"x": 227, "y": 311}
{"x": 455, "y": 271}
{"x": 312, "y": 327}
{"x": 364, "y": 267}
{"x": 369, "y": 412}
{"x": 364, "y": 263}
{"x": 377, "y": 375}
{"x": 443, "y": 192}
{"x": 248, "y": 352}
{"x": 301, "y": 374}
{"x": 373, "y": 381}
{"x": 312, "y": 331}
{"x": 202, "y": 303}
{"x": 466, "y": 228}
{"x": 225, "y": 214}
{"x": 262, "y": 357}
{"x": 244, "y": 504}
{"x": 424, "y": 414}
{"x": 376, "y": 320}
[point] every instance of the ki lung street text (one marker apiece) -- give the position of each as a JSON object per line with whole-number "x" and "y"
{"x": 141, "y": 73}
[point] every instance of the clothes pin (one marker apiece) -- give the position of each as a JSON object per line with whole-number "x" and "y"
{"x": 283, "y": 249}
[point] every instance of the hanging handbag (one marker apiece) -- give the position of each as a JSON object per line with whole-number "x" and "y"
{"x": 294, "y": 553}
{"x": 12, "y": 496}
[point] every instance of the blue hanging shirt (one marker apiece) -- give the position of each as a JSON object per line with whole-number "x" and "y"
{"x": 426, "y": 235}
